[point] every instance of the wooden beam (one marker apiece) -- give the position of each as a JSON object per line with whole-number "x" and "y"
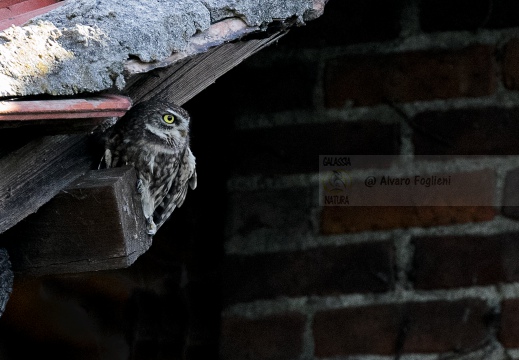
{"x": 6, "y": 279}
{"x": 36, "y": 172}
{"x": 182, "y": 81}
{"x": 96, "y": 223}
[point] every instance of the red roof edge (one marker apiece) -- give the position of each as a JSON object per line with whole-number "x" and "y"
{"x": 79, "y": 108}
{"x": 19, "y": 17}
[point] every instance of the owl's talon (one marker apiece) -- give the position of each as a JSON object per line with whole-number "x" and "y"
{"x": 152, "y": 228}
{"x": 140, "y": 186}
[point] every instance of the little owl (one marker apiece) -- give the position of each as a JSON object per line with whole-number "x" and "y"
{"x": 153, "y": 136}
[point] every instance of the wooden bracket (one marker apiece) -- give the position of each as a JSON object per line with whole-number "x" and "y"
{"x": 96, "y": 223}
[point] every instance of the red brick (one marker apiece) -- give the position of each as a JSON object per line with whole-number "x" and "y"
{"x": 369, "y": 80}
{"x": 359, "y": 330}
{"x": 280, "y": 212}
{"x": 511, "y": 195}
{"x": 461, "y": 202}
{"x": 510, "y": 61}
{"x": 276, "y": 337}
{"x": 296, "y": 148}
{"x": 458, "y": 261}
{"x": 445, "y": 15}
{"x": 344, "y": 219}
{"x": 483, "y": 131}
{"x": 509, "y": 328}
{"x": 427, "y": 327}
{"x": 363, "y": 268}
{"x": 347, "y": 22}
{"x": 448, "y": 15}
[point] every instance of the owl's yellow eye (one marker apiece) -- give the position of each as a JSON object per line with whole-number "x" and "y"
{"x": 168, "y": 118}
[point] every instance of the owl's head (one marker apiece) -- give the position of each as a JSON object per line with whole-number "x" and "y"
{"x": 163, "y": 121}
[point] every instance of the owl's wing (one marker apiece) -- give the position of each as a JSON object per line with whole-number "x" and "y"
{"x": 112, "y": 142}
{"x": 186, "y": 176}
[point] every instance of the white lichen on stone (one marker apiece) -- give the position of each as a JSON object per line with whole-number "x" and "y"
{"x": 29, "y": 54}
{"x": 258, "y": 12}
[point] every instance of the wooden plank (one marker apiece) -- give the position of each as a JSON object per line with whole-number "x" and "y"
{"x": 6, "y": 279}
{"x": 96, "y": 223}
{"x": 48, "y": 127}
{"x": 182, "y": 81}
{"x": 31, "y": 175}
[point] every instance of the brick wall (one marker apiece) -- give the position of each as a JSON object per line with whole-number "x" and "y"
{"x": 301, "y": 281}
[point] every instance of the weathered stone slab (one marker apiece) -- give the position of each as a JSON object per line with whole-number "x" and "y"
{"x": 84, "y": 45}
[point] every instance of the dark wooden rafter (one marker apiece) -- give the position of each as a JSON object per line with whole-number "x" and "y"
{"x": 182, "y": 81}
{"x": 6, "y": 279}
{"x": 35, "y": 173}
